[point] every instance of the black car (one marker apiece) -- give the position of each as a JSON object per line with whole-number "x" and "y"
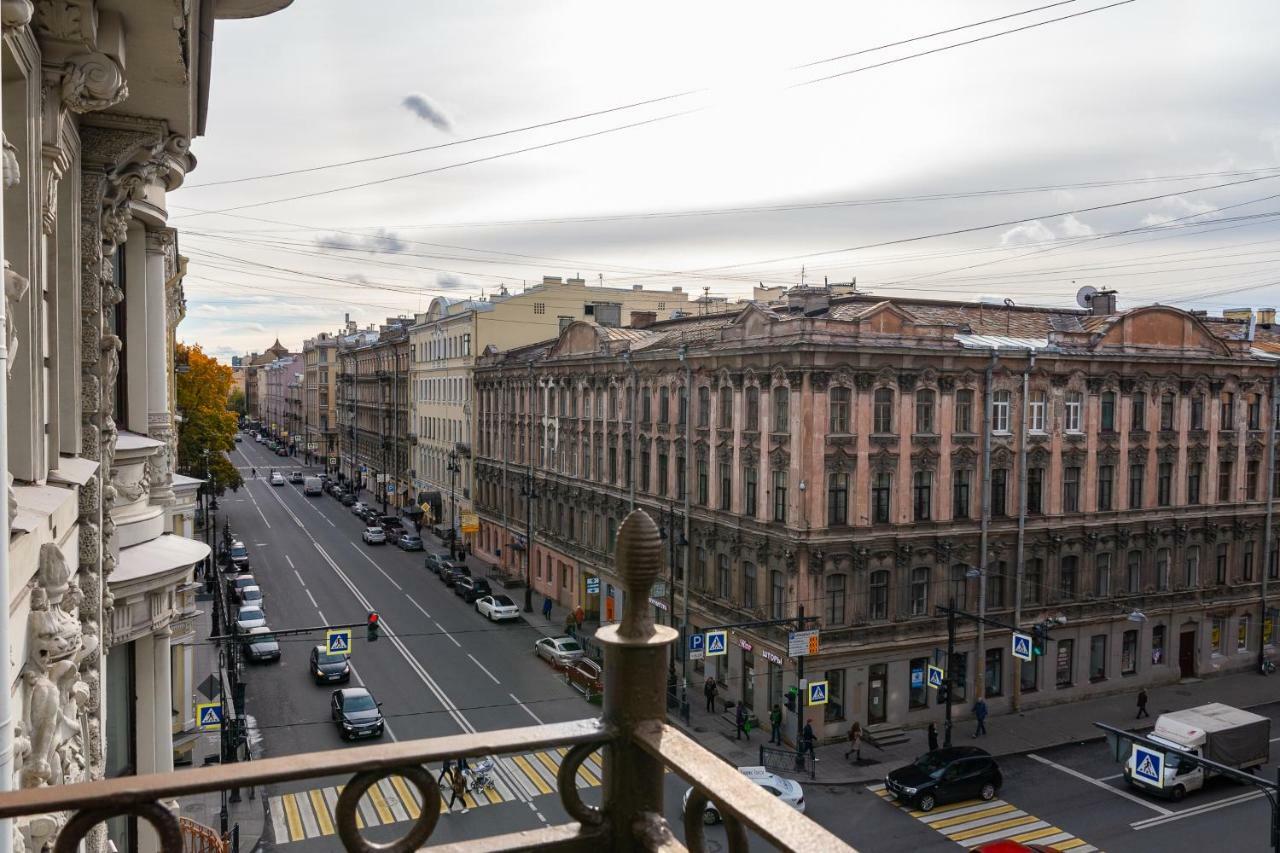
{"x": 471, "y": 588}
{"x": 452, "y": 572}
{"x": 944, "y": 775}
{"x": 348, "y": 499}
{"x": 327, "y": 668}
{"x": 261, "y": 645}
{"x": 356, "y": 713}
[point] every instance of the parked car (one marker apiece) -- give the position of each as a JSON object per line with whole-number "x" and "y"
{"x": 356, "y": 713}
{"x": 296, "y": 477}
{"x": 257, "y": 437}
{"x": 585, "y": 676}
{"x": 235, "y": 583}
{"x": 451, "y": 574}
{"x": 326, "y": 667}
{"x": 358, "y": 507}
{"x": 409, "y": 542}
{"x": 277, "y": 479}
{"x": 282, "y": 451}
{"x": 374, "y": 536}
{"x": 239, "y": 438}
{"x": 471, "y": 588}
{"x": 559, "y": 651}
{"x": 1006, "y": 845}
{"x": 436, "y": 562}
{"x": 252, "y": 595}
{"x": 390, "y": 523}
{"x": 787, "y": 790}
{"x": 238, "y": 556}
{"x": 249, "y": 617}
{"x": 348, "y": 499}
{"x": 369, "y": 516}
{"x": 261, "y": 645}
{"x": 311, "y": 486}
{"x": 945, "y": 775}
{"x": 495, "y": 607}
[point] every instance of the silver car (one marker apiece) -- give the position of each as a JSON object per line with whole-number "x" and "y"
{"x": 249, "y": 617}
{"x": 374, "y": 536}
{"x": 559, "y": 651}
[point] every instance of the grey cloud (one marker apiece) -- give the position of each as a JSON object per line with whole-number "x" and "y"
{"x": 380, "y": 241}
{"x": 450, "y": 281}
{"x": 427, "y": 110}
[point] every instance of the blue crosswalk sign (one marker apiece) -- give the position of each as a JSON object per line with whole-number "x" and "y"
{"x": 1148, "y": 766}
{"x": 209, "y": 716}
{"x": 717, "y": 643}
{"x": 936, "y": 676}
{"x": 817, "y": 692}
{"x": 338, "y": 641}
{"x": 1022, "y": 646}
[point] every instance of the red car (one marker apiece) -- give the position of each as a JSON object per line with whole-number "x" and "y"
{"x": 1013, "y": 847}
{"x": 585, "y": 676}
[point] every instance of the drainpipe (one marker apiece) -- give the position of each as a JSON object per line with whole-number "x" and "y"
{"x": 988, "y": 412}
{"x": 1267, "y": 536}
{"x": 1025, "y": 432}
{"x": 684, "y": 575}
{"x": 6, "y": 677}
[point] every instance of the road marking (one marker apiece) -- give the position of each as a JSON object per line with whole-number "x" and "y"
{"x": 417, "y": 605}
{"x": 447, "y": 634}
{"x": 482, "y": 668}
{"x": 1112, "y": 776}
{"x": 1196, "y": 810}
{"x": 249, "y": 492}
{"x": 300, "y": 580}
{"x": 376, "y": 566}
{"x": 313, "y": 601}
{"x": 1103, "y": 785}
{"x": 290, "y": 562}
{"x": 259, "y": 544}
{"x": 516, "y": 699}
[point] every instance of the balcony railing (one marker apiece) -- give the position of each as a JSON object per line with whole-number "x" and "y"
{"x": 637, "y": 745}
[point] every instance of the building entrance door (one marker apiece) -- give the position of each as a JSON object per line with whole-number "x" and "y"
{"x": 876, "y": 690}
{"x": 1187, "y": 653}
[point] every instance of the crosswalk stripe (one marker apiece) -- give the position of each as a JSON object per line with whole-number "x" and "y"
{"x": 278, "y": 822}
{"x": 1071, "y": 845}
{"x": 407, "y": 796}
{"x": 935, "y": 817}
{"x": 1037, "y": 835}
{"x": 553, "y": 767}
{"x": 997, "y": 832}
{"x": 291, "y": 813}
{"x": 534, "y": 776}
{"x": 587, "y": 776}
{"x": 876, "y": 788}
{"x": 321, "y": 810}
{"x": 380, "y": 804}
{"x": 360, "y": 824}
{"x": 973, "y": 818}
{"x": 331, "y": 799}
{"x": 366, "y": 810}
{"x": 392, "y": 796}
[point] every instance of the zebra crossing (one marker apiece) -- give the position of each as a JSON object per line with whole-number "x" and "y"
{"x": 310, "y": 814}
{"x": 975, "y": 822}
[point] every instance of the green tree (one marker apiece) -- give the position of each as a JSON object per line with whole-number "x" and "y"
{"x": 237, "y": 403}
{"x": 208, "y": 426}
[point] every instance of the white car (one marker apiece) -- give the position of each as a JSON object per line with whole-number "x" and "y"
{"x": 257, "y": 436}
{"x": 787, "y": 790}
{"x": 249, "y": 617}
{"x": 358, "y": 507}
{"x": 374, "y": 536}
{"x": 277, "y": 479}
{"x": 559, "y": 651}
{"x": 495, "y": 607}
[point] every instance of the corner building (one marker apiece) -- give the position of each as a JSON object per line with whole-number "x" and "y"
{"x": 832, "y": 454}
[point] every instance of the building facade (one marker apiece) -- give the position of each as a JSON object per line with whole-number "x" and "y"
{"x": 373, "y": 412}
{"x": 320, "y": 402}
{"x": 453, "y": 333}
{"x": 255, "y": 385}
{"x": 852, "y": 455}
{"x": 276, "y": 379}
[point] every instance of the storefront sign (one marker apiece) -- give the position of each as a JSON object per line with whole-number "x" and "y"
{"x": 771, "y": 657}
{"x": 801, "y": 643}
{"x": 470, "y": 522}
{"x": 593, "y": 586}
{"x": 744, "y": 645}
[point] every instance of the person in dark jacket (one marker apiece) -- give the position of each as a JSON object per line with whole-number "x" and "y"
{"x": 980, "y": 713}
{"x": 546, "y": 608}
{"x": 933, "y": 737}
{"x": 775, "y": 725}
{"x": 807, "y": 738}
{"x": 855, "y": 742}
{"x": 1142, "y": 704}
{"x": 740, "y": 720}
{"x": 709, "y": 690}
{"x": 458, "y": 789}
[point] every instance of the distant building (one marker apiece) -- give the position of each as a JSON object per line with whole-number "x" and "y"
{"x": 320, "y": 419}
{"x": 373, "y": 411}
{"x": 255, "y": 385}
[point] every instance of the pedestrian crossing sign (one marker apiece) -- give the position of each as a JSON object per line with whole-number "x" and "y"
{"x": 717, "y": 643}
{"x": 209, "y": 716}
{"x": 1148, "y": 766}
{"x": 1022, "y": 646}
{"x": 936, "y": 676}
{"x": 817, "y": 692}
{"x": 338, "y": 641}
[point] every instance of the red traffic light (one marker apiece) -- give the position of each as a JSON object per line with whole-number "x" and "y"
{"x": 373, "y": 618}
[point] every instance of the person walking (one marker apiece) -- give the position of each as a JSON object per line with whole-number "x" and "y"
{"x": 579, "y": 616}
{"x": 775, "y": 725}
{"x": 808, "y": 738}
{"x": 933, "y": 737}
{"x": 980, "y": 712}
{"x": 570, "y": 626}
{"x": 740, "y": 720}
{"x": 1142, "y": 703}
{"x": 458, "y": 787}
{"x": 253, "y": 473}
{"x": 546, "y": 607}
{"x": 709, "y": 690}
{"x": 855, "y": 742}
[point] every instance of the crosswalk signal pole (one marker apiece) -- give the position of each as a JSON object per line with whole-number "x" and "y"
{"x": 946, "y": 672}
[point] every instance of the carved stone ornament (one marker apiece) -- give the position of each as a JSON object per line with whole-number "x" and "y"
{"x": 16, "y": 14}
{"x": 15, "y": 289}
{"x": 93, "y": 81}
{"x": 12, "y": 172}
{"x": 946, "y": 384}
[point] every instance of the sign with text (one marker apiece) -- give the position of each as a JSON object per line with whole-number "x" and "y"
{"x": 801, "y": 643}
{"x": 470, "y": 522}
{"x": 593, "y": 586}
{"x": 696, "y": 646}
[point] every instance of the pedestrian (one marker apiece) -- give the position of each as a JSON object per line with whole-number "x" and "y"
{"x": 709, "y": 690}
{"x": 1142, "y": 703}
{"x": 458, "y": 786}
{"x": 980, "y": 712}
{"x": 445, "y": 770}
{"x": 579, "y": 615}
{"x": 808, "y": 738}
{"x": 570, "y": 626}
{"x": 740, "y": 721}
{"x": 933, "y": 737}
{"x": 855, "y": 742}
{"x": 546, "y": 607}
{"x": 775, "y": 725}
{"x": 253, "y": 473}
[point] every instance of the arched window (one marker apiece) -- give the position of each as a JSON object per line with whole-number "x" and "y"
{"x": 749, "y": 581}
{"x": 723, "y": 587}
{"x": 838, "y": 405}
{"x": 726, "y": 407}
{"x": 704, "y": 407}
{"x": 882, "y": 411}
{"x": 834, "y": 600}
{"x": 924, "y": 412}
{"x": 920, "y": 591}
{"x": 781, "y": 409}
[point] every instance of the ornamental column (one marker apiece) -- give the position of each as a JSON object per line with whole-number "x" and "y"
{"x": 162, "y": 699}
{"x": 159, "y": 244}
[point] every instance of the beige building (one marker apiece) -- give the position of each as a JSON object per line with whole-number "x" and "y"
{"x": 446, "y": 341}
{"x": 320, "y": 402}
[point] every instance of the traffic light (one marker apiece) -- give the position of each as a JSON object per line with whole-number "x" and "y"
{"x": 1039, "y": 639}
{"x": 373, "y": 626}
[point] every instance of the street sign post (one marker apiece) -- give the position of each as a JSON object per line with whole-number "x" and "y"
{"x": 1022, "y": 646}
{"x": 391, "y": 488}
{"x": 717, "y": 643}
{"x": 696, "y": 647}
{"x": 209, "y": 716}
{"x": 800, "y": 643}
{"x": 593, "y": 586}
{"x": 338, "y": 641}
{"x": 936, "y": 676}
{"x": 1148, "y": 765}
{"x": 817, "y": 692}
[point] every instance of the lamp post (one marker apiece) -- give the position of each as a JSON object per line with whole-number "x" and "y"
{"x": 453, "y": 470}
{"x": 668, "y": 532}
{"x": 530, "y": 494}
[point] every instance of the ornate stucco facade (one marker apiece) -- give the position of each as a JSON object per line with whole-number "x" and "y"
{"x": 373, "y": 410}
{"x": 100, "y": 103}
{"x": 320, "y": 397}
{"x": 832, "y": 454}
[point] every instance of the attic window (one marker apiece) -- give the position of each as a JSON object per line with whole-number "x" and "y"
{"x": 539, "y": 307}
{"x": 661, "y": 306}
{"x": 589, "y": 310}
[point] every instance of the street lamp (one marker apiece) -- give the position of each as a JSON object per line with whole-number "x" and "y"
{"x": 673, "y": 537}
{"x": 530, "y": 494}
{"x": 453, "y": 470}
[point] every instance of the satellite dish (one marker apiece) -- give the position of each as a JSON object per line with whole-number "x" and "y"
{"x": 1084, "y": 296}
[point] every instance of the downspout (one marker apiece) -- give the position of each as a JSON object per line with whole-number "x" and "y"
{"x": 1267, "y": 535}
{"x": 1025, "y": 433}
{"x": 684, "y": 575}
{"x": 6, "y": 677}
{"x": 988, "y": 413}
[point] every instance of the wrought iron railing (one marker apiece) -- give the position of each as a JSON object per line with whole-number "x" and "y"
{"x": 636, "y": 742}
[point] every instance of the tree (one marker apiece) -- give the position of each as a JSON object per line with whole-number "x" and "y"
{"x": 207, "y": 424}
{"x": 237, "y": 402}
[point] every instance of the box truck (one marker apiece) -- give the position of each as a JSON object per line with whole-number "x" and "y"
{"x": 1217, "y": 732}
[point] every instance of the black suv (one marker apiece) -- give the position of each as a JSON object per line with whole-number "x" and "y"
{"x": 957, "y": 773}
{"x": 471, "y": 588}
{"x": 356, "y": 713}
{"x": 450, "y": 573}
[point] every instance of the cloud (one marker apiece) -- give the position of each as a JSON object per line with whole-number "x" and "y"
{"x": 427, "y": 110}
{"x": 1072, "y": 227}
{"x": 380, "y": 241}
{"x": 450, "y": 281}
{"x": 1034, "y": 231}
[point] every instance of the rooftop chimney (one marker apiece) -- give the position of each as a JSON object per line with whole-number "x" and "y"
{"x": 1103, "y": 303}
{"x": 809, "y": 300}
{"x": 643, "y": 319}
{"x": 1266, "y": 316}
{"x": 1241, "y": 314}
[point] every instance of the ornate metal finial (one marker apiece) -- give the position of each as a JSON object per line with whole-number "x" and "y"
{"x": 639, "y": 559}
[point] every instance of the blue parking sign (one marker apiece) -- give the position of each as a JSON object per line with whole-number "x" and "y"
{"x": 1148, "y": 766}
{"x": 696, "y": 647}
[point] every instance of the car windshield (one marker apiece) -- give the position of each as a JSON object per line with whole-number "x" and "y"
{"x": 359, "y": 703}
{"x": 239, "y": 551}
{"x": 264, "y": 638}
{"x": 503, "y": 601}
{"x": 252, "y": 592}
{"x": 930, "y": 762}
{"x": 570, "y": 646}
{"x": 325, "y": 657}
{"x": 249, "y": 613}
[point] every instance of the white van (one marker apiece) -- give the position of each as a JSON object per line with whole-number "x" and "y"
{"x": 312, "y": 486}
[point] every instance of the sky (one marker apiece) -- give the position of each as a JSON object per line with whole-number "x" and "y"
{"x": 1132, "y": 145}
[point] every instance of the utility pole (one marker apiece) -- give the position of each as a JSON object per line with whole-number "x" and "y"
{"x": 800, "y": 694}
{"x": 454, "y": 468}
{"x": 690, "y": 464}
{"x": 946, "y": 672}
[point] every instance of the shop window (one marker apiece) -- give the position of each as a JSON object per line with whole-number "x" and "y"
{"x": 994, "y": 672}
{"x": 834, "y": 710}
{"x": 1129, "y": 653}
{"x": 1065, "y": 661}
{"x": 918, "y": 692}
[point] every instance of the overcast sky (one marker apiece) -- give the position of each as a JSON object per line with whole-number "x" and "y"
{"x": 1168, "y": 98}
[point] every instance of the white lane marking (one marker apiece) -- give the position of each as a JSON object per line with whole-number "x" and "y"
{"x": 417, "y": 605}
{"x": 313, "y": 604}
{"x": 308, "y": 502}
{"x": 447, "y": 634}
{"x": 1195, "y": 811}
{"x": 249, "y": 492}
{"x": 1112, "y": 776}
{"x": 300, "y": 580}
{"x": 516, "y": 699}
{"x": 376, "y": 566}
{"x": 540, "y": 817}
{"x": 290, "y": 562}
{"x": 482, "y": 668}
{"x": 259, "y": 544}
{"x": 1103, "y": 785}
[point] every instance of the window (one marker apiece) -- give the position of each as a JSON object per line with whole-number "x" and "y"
{"x": 924, "y": 412}
{"x": 1191, "y": 568}
{"x": 1000, "y": 405}
{"x": 958, "y": 587}
{"x": 959, "y": 676}
{"x": 1102, "y": 575}
{"x": 704, "y": 407}
{"x": 781, "y": 409}
{"x": 994, "y": 672}
{"x": 1107, "y": 412}
{"x": 834, "y": 710}
{"x": 664, "y": 406}
{"x": 1220, "y": 568}
{"x": 920, "y": 592}
{"x": 837, "y": 499}
{"x": 960, "y": 480}
{"x": 1106, "y": 477}
{"x": 644, "y": 470}
{"x": 1071, "y": 489}
{"x": 1252, "y": 467}
{"x": 1073, "y": 419}
{"x": 1138, "y": 413}
{"x": 682, "y": 481}
{"x": 1268, "y": 625}
{"x": 704, "y": 486}
{"x": 1218, "y": 635}
{"x": 1162, "y": 569}
{"x": 1253, "y": 411}
{"x": 1273, "y": 563}
{"x": 777, "y": 595}
{"x": 1037, "y": 407}
{"x": 682, "y": 406}
{"x": 1029, "y": 675}
{"x": 1246, "y": 562}
{"x": 753, "y": 408}
{"x": 1166, "y": 411}
{"x": 1157, "y": 644}
{"x": 725, "y": 415}
{"x": 1066, "y": 654}
{"x": 724, "y": 589}
{"x": 1242, "y": 634}
{"x": 726, "y": 486}
{"x": 1194, "y": 470}
{"x": 1197, "y": 411}
{"x": 1133, "y": 572}
{"x": 838, "y": 408}
{"x": 964, "y": 410}
{"x": 1137, "y": 475}
{"x": 1098, "y": 657}
{"x": 882, "y": 411}
{"x": 881, "y": 489}
{"x": 999, "y": 492}
{"x": 539, "y": 307}
{"x": 918, "y": 695}
{"x": 662, "y": 474}
{"x": 1224, "y": 480}
{"x": 835, "y": 599}
{"x": 749, "y": 490}
{"x": 646, "y": 406}
{"x": 748, "y": 585}
{"x": 1227, "y": 411}
{"x": 1164, "y": 484}
{"x": 922, "y": 494}
{"x": 997, "y": 574}
{"x": 1035, "y": 491}
{"x": 878, "y": 602}
{"x": 1068, "y": 575}
{"x": 1032, "y": 580}
{"x": 780, "y": 496}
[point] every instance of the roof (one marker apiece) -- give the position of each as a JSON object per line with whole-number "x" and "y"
{"x": 1001, "y": 342}
{"x": 162, "y": 555}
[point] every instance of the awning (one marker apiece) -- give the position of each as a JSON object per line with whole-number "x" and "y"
{"x": 166, "y": 553}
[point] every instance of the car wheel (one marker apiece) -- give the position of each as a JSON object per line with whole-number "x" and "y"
{"x": 710, "y": 817}
{"x": 988, "y": 791}
{"x": 1178, "y": 793}
{"x": 927, "y": 802}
